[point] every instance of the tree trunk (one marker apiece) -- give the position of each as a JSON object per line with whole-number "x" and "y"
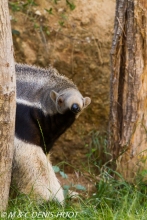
{"x": 128, "y": 97}
{"x": 7, "y": 103}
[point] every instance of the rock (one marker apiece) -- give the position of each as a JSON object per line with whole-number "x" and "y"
{"x": 60, "y": 10}
{"x": 38, "y": 13}
{"x": 92, "y": 66}
{"x": 87, "y": 39}
{"x": 85, "y": 21}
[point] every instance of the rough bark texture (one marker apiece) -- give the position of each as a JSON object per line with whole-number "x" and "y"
{"x": 7, "y": 103}
{"x": 128, "y": 114}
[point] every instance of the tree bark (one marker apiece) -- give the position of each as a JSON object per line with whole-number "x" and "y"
{"x": 7, "y": 103}
{"x": 128, "y": 96}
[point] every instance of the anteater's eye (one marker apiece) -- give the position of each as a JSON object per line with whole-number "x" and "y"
{"x": 60, "y": 101}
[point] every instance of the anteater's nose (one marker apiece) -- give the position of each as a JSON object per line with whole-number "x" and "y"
{"x": 75, "y": 108}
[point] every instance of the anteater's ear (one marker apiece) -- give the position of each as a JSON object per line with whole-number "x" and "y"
{"x": 87, "y": 101}
{"x": 53, "y": 95}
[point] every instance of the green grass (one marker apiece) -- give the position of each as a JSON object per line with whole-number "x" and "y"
{"x": 113, "y": 198}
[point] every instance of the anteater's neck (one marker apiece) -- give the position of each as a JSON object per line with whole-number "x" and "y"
{"x": 42, "y": 130}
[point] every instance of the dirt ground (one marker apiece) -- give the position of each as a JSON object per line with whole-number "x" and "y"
{"x": 76, "y": 42}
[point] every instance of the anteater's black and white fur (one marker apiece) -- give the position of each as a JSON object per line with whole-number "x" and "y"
{"x": 47, "y": 104}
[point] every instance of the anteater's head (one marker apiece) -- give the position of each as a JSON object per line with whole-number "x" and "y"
{"x": 69, "y": 99}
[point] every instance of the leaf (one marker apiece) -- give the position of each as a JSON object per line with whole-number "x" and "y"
{"x": 80, "y": 187}
{"x": 50, "y": 11}
{"x": 14, "y": 6}
{"x": 15, "y": 32}
{"x": 36, "y": 26}
{"x": 66, "y": 187}
{"x": 71, "y": 5}
{"x": 61, "y": 23}
{"x": 144, "y": 172}
{"x": 56, "y": 1}
{"x": 47, "y": 32}
{"x": 63, "y": 175}
{"x": 56, "y": 169}
{"x": 32, "y": 3}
